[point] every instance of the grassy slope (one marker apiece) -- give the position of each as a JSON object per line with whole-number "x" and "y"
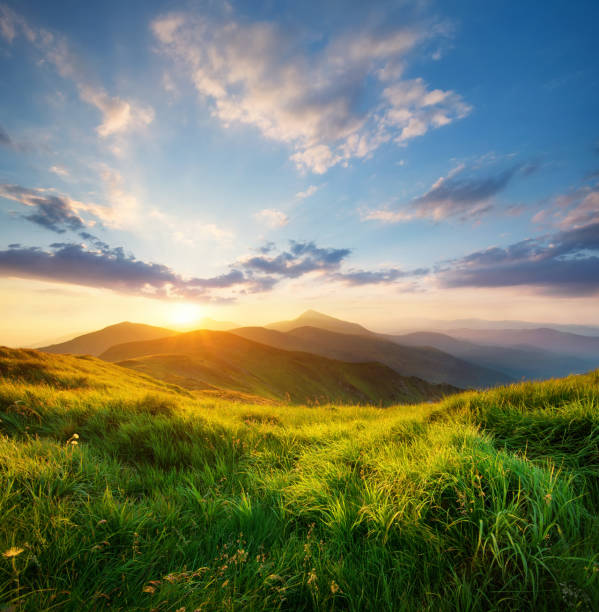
{"x": 485, "y": 501}
{"x": 204, "y": 359}
{"x": 423, "y": 362}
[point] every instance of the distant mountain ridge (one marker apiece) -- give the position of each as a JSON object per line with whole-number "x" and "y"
{"x": 99, "y": 341}
{"x": 210, "y": 359}
{"x": 542, "y": 338}
{"x": 424, "y": 362}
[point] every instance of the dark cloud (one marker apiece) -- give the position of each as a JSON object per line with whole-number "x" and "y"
{"x": 369, "y": 277}
{"x": 52, "y": 212}
{"x": 565, "y": 263}
{"x": 463, "y": 194}
{"x": 5, "y": 139}
{"x": 107, "y": 268}
{"x": 299, "y": 259}
{"x": 102, "y": 266}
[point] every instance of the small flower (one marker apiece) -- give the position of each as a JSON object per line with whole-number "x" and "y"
{"x": 335, "y": 588}
{"x": 12, "y": 552}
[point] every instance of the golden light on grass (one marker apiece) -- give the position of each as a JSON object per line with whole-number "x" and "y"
{"x": 12, "y": 552}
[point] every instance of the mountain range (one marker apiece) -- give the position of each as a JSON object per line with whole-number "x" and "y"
{"x": 211, "y": 360}
{"x": 316, "y": 356}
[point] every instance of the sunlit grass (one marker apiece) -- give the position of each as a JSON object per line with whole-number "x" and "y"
{"x": 170, "y": 500}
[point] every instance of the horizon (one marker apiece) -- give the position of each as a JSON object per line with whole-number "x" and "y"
{"x": 246, "y": 162}
{"x": 410, "y": 326}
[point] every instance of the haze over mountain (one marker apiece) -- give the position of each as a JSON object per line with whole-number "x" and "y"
{"x": 424, "y": 362}
{"x": 313, "y": 318}
{"x": 210, "y": 359}
{"x": 543, "y": 338}
{"x": 97, "y": 342}
{"x": 411, "y": 324}
{"x": 214, "y": 325}
{"x": 518, "y": 362}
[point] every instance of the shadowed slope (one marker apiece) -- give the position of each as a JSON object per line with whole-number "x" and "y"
{"x": 97, "y": 342}
{"x": 427, "y": 363}
{"x": 206, "y": 359}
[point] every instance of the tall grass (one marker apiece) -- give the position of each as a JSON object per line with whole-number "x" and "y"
{"x": 165, "y": 500}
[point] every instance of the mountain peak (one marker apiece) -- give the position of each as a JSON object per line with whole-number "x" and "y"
{"x": 314, "y": 314}
{"x": 313, "y": 318}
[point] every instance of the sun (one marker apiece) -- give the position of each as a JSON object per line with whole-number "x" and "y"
{"x": 185, "y": 314}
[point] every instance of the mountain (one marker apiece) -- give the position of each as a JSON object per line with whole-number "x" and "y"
{"x": 312, "y": 318}
{"x": 518, "y": 362}
{"x": 212, "y": 324}
{"x": 97, "y": 342}
{"x": 423, "y": 362}
{"x": 207, "y": 360}
{"x": 443, "y": 325}
{"x": 541, "y": 338}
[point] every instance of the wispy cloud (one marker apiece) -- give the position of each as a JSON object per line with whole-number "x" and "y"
{"x": 52, "y": 211}
{"x": 577, "y": 208}
{"x": 308, "y": 192}
{"x": 118, "y": 114}
{"x": 272, "y": 217}
{"x": 60, "y": 171}
{"x": 458, "y": 194}
{"x": 333, "y": 105}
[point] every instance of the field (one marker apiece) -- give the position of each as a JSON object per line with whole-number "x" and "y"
{"x": 118, "y": 491}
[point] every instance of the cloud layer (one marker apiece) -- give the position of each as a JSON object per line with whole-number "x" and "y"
{"x": 565, "y": 263}
{"x": 96, "y": 264}
{"x": 331, "y": 105}
{"x": 460, "y": 194}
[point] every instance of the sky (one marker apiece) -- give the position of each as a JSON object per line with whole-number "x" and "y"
{"x": 245, "y": 161}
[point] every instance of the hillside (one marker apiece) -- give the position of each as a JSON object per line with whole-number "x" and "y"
{"x": 528, "y": 362}
{"x": 122, "y": 492}
{"x": 99, "y": 341}
{"x": 427, "y": 363}
{"x": 207, "y": 359}
{"x": 312, "y": 318}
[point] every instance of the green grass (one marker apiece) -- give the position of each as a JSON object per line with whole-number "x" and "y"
{"x": 484, "y": 501}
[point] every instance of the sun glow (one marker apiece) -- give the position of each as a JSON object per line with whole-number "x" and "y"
{"x": 185, "y": 314}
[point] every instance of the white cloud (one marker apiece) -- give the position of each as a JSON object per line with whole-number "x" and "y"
{"x": 273, "y": 218}
{"x": 330, "y": 106}
{"x": 310, "y": 191}
{"x": 60, "y": 170}
{"x": 118, "y": 115}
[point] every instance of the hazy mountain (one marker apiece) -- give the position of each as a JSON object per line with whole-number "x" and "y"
{"x": 531, "y": 363}
{"x": 424, "y": 362}
{"x": 97, "y": 342}
{"x": 212, "y": 324}
{"x": 211, "y": 359}
{"x": 312, "y": 318}
{"x": 542, "y": 338}
{"x": 416, "y": 324}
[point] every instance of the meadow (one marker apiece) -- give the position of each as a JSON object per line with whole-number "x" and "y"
{"x": 121, "y": 492}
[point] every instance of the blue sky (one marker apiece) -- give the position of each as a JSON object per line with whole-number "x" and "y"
{"x": 258, "y": 158}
